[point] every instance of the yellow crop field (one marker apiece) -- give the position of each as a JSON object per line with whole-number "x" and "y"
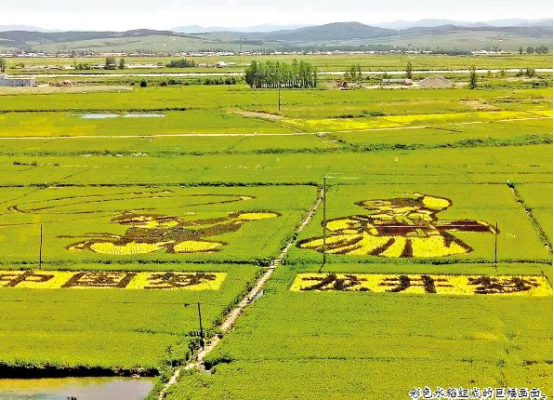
{"x": 394, "y": 121}
{"x": 111, "y": 280}
{"x": 403, "y": 227}
{"x": 459, "y": 285}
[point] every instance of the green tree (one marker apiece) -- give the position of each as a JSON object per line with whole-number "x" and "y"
{"x": 530, "y": 50}
{"x": 473, "y": 77}
{"x": 275, "y": 74}
{"x": 143, "y": 83}
{"x": 122, "y": 63}
{"x": 2, "y": 65}
{"x": 359, "y": 74}
{"x": 542, "y": 50}
{"x": 521, "y": 50}
{"x": 409, "y": 74}
{"x": 110, "y": 63}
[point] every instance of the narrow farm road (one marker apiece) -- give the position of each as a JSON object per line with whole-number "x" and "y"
{"x": 231, "y": 318}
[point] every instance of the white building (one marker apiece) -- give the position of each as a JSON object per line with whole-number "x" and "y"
{"x": 16, "y": 82}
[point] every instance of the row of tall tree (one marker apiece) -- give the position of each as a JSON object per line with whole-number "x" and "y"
{"x": 111, "y": 63}
{"x": 274, "y": 74}
{"x": 182, "y": 63}
{"x": 533, "y": 50}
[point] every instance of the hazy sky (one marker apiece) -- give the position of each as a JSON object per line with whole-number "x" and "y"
{"x": 166, "y": 14}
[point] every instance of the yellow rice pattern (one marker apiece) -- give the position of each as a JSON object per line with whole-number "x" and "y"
{"x": 459, "y": 285}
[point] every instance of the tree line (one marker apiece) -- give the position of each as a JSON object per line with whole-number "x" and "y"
{"x": 274, "y": 74}
{"x": 533, "y": 50}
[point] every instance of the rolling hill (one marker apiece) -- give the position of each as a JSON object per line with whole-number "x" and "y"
{"x": 338, "y": 35}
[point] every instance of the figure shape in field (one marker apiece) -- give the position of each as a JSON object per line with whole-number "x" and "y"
{"x": 401, "y": 227}
{"x": 150, "y": 233}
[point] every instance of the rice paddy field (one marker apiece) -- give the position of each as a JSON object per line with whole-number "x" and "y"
{"x": 120, "y": 211}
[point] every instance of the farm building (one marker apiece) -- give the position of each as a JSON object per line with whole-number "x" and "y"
{"x": 435, "y": 82}
{"x": 16, "y": 82}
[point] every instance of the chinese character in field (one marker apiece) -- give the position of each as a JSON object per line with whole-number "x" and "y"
{"x": 100, "y": 280}
{"x": 17, "y": 277}
{"x": 333, "y": 282}
{"x": 403, "y": 282}
{"x": 150, "y": 233}
{"x": 403, "y": 227}
{"x": 492, "y": 285}
{"x": 174, "y": 280}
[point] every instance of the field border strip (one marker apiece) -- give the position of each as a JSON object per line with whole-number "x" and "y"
{"x": 535, "y": 222}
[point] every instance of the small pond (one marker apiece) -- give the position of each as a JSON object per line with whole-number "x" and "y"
{"x": 128, "y": 115}
{"x": 76, "y": 388}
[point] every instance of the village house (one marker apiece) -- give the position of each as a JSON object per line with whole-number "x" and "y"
{"x": 16, "y": 82}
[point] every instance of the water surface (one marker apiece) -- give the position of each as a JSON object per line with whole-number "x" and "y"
{"x": 80, "y": 388}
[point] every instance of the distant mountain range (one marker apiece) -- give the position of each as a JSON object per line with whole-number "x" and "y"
{"x": 341, "y": 34}
{"x": 395, "y": 25}
{"x": 249, "y": 29}
{"x": 432, "y": 23}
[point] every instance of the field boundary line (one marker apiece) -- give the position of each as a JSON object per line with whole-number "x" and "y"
{"x": 396, "y": 128}
{"x": 536, "y": 224}
{"x": 232, "y": 316}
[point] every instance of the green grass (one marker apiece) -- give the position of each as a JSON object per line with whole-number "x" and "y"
{"x": 359, "y": 345}
{"x": 111, "y": 328}
{"x": 170, "y": 123}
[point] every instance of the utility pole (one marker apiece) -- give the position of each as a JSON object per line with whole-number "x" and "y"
{"x": 40, "y": 248}
{"x": 324, "y": 195}
{"x": 496, "y": 245}
{"x": 201, "y": 329}
{"x": 279, "y": 96}
{"x": 200, "y": 325}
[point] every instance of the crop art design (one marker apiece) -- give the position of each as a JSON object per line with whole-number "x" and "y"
{"x": 196, "y": 281}
{"x": 530, "y": 285}
{"x": 146, "y": 231}
{"x": 149, "y": 233}
{"x": 402, "y": 227}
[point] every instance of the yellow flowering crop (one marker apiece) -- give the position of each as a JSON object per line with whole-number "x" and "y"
{"x": 196, "y": 246}
{"x": 164, "y": 280}
{"x": 126, "y": 249}
{"x": 257, "y": 216}
{"x": 529, "y": 285}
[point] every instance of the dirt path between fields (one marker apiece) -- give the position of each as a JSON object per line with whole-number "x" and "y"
{"x": 261, "y": 115}
{"x": 396, "y": 128}
{"x": 232, "y": 317}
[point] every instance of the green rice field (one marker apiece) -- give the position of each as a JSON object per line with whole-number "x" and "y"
{"x": 210, "y": 187}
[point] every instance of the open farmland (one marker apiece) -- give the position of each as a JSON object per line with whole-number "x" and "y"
{"x": 117, "y": 208}
{"x": 332, "y": 345}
